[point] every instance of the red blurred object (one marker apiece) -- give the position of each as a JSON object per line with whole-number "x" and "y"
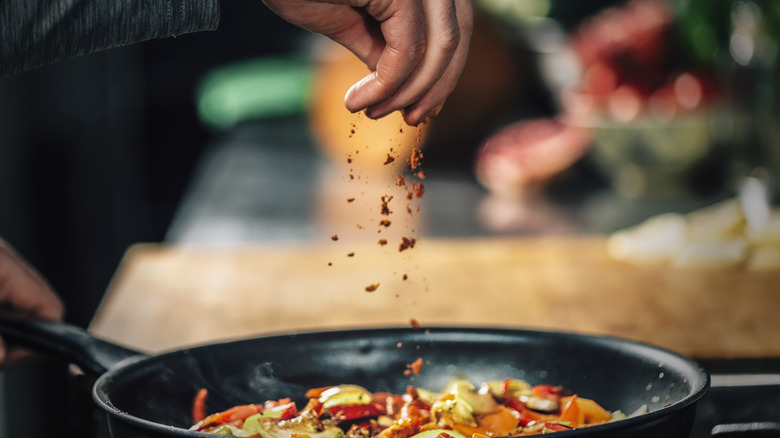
{"x": 628, "y": 67}
{"x": 525, "y": 155}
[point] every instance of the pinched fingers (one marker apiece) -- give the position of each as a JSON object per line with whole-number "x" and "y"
{"x": 434, "y": 97}
{"x": 402, "y": 25}
{"x": 442, "y": 37}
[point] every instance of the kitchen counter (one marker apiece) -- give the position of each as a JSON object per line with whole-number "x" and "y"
{"x": 165, "y": 297}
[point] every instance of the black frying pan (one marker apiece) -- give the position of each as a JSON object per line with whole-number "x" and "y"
{"x": 151, "y": 396}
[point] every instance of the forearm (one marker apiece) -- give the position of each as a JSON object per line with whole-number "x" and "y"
{"x": 39, "y": 32}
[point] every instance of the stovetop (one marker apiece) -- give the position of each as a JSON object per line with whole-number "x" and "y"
{"x": 743, "y": 401}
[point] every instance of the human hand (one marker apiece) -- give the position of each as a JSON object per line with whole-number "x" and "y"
{"x": 24, "y": 292}
{"x": 415, "y": 49}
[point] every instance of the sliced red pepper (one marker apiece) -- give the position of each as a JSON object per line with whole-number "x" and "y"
{"x": 549, "y": 392}
{"x": 526, "y": 415}
{"x": 199, "y": 406}
{"x": 391, "y": 402}
{"x": 353, "y": 412}
{"x": 289, "y": 412}
{"x": 556, "y": 427}
{"x": 317, "y": 392}
{"x": 236, "y": 413}
{"x": 505, "y": 387}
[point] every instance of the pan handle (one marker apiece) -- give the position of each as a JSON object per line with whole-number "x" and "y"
{"x": 65, "y": 340}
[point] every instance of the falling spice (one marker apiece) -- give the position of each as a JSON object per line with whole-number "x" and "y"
{"x": 415, "y": 366}
{"x": 414, "y": 323}
{"x": 405, "y": 277}
{"x": 420, "y": 174}
{"x": 418, "y": 189}
{"x": 382, "y": 242}
{"x": 334, "y": 237}
{"x": 330, "y": 263}
{"x": 372, "y": 287}
{"x": 385, "y": 208}
{"x": 385, "y": 223}
{"x": 352, "y": 254}
{"x": 416, "y": 159}
{"x": 350, "y": 200}
{"x": 389, "y": 159}
{"x": 406, "y": 243}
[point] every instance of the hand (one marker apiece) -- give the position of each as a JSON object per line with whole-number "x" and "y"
{"x": 25, "y": 292}
{"x": 415, "y": 49}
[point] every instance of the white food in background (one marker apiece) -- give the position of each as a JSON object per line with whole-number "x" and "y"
{"x": 754, "y": 201}
{"x": 712, "y": 255}
{"x": 719, "y": 221}
{"x": 764, "y": 258}
{"x": 714, "y": 237}
{"x": 770, "y": 233}
{"x": 656, "y": 240}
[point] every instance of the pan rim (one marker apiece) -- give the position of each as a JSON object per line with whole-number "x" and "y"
{"x": 698, "y": 386}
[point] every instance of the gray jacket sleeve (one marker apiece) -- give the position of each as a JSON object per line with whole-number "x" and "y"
{"x": 34, "y": 33}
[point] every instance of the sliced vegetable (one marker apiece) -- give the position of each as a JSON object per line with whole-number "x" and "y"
{"x": 434, "y": 433}
{"x": 508, "y": 408}
{"x": 345, "y": 395}
{"x": 353, "y": 412}
{"x": 199, "y": 406}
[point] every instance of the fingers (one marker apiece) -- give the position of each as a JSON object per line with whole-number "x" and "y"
{"x": 442, "y": 40}
{"x": 420, "y": 62}
{"x": 23, "y": 289}
{"x": 433, "y": 100}
{"x": 402, "y": 26}
{"x": 25, "y": 292}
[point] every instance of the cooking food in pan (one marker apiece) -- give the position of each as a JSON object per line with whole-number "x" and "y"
{"x": 510, "y": 407}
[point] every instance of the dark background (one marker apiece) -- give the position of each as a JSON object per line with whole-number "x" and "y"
{"x": 95, "y": 152}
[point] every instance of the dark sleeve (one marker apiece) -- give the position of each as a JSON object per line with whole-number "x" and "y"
{"x": 39, "y": 32}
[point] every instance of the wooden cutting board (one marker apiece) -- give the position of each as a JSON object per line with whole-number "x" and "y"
{"x": 167, "y": 297}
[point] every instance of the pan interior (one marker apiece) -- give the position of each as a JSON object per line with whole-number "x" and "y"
{"x": 620, "y": 375}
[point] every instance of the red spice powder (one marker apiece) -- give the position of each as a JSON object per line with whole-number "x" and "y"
{"x": 416, "y": 366}
{"x": 418, "y": 189}
{"x": 385, "y": 208}
{"x": 406, "y": 243}
{"x": 416, "y": 159}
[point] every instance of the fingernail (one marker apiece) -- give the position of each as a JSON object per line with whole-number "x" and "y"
{"x": 348, "y": 98}
{"x": 353, "y": 95}
{"x": 436, "y": 110}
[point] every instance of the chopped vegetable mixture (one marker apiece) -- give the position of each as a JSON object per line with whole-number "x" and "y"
{"x": 507, "y": 408}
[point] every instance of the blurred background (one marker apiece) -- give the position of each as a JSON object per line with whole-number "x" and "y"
{"x": 571, "y": 117}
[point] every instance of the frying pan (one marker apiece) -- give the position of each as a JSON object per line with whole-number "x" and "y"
{"x": 151, "y": 396}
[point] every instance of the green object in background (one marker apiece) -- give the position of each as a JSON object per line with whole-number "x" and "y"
{"x": 255, "y": 89}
